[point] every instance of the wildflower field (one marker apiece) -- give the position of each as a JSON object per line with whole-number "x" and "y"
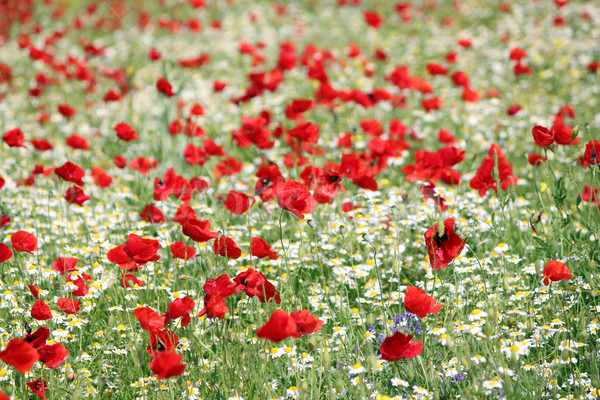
{"x": 314, "y": 199}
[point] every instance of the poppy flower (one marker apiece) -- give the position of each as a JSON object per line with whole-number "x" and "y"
{"x": 149, "y": 319}
{"x": 280, "y": 326}
{"x": 34, "y": 290}
{"x": 183, "y": 214}
{"x": 68, "y": 306}
{"x": 141, "y": 250}
{"x": 20, "y": 354}
{"x": 40, "y": 311}
{"x": 221, "y": 286}
{"x": 38, "y": 387}
{"x": 71, "y": 173}
{"x": 166, "y": 364}
{"x": 101, "y": 178}
{"x": 446, "y": 137}
{"x": 164, "y": 87}
{"x": 512, "y": 110}
{"x": 214, "y": 307}
{"x": 152, "y": 214}
{"x": 270, "y": 182}
{"x": 418, "y": 302}
{"x": 305, "y": 322}
{"x": 64, "y": 265}
{"x": 5, "y": 252}
{"x": 75, "y": 195}
{"x": 484, "y": 179}
{"x": 125, "y": 132}
{"x": 154, "y": 54}
{"x": 120, "y": 161}
{"x": 111, "y": 95}
{"x": 592, "y": 150}
{"x": 4, "y": 219}
{"x": 237, "y": 203}
{"x": 142, "y": 164}
{"x": 297, "y": 107}
{"x": 14, "y": 138}
{"x": 66, "y": 110}
{"x": 162, "y": 340}
{"x": 77, "y": 142}
{"x": 24, "y": 242}
{"x": 555, "y": 271}
{"x": 254, "y": 283}
{"x": 179, "y": 250}
{"x": 393, "y": 348}
{"x": 432, "y": 167}
{"x": 536, "y": 159}
{"x": 198, "y": 231}
{"x": 542, "y": 136}
{"x": 226, "y": 247}
{"x": 296, "y": 197}
{"x": 39, "y": 337}
{"x": 181, "y": 308}
{"x": 432, "y": 103}
{"x": 371, "y": 127}
{"x": 53, "y": 355}
{"x": 262, "y": 249}
{"x": 129, "y": 281}
{"x": 443, "y": 247}
{"x": 373, "y": 19}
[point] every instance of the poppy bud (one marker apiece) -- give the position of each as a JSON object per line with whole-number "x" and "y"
{"x": 108, "y": 394}
{"x": 326, "y": 358}
{"x": 441, "y": 229}
{"x": 339, "y": 385}
{"x": 69, "y": 374}
{"x": 372, "y": 360}
{"x": 312, "y": 343}
{"x": 370, "y": 319}
{"x": 575, "y": 132}
{"x": 304, "y": 387}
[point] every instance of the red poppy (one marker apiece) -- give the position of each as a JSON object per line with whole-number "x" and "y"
{"x": 542, "y": 136}
{"x": 372, "y": 19}
{"x": 446, "y": 137}
{"x": 305, "y": 322}
{"x": 77, "y": 142}
{"x": 162, "y": 340}
{"x": 69, "y": 306}
{"x": 262, "y": 249}
{"x": 111, "y": 95}
{"x": 76, "y": 195}
{"x": 183, "y": 214}
{"x": 143, "y": 164}
{"x": 38, "y": 387}
{"x": 4, "y": 219}
{"x": 152, "y": 214}
{"x": 164, "y": 87}
{"x": 66, "y": 110}
{"x": 431, "y": 166}
{"x": 53, "y": 355}
{"x": 71, "y": 173}
{"x": 149, "y": 319}
{"x": 592, "y": 152}
{"x": 40, "y": 311}
{"x": 443, "y": 247}
{"x": 270, "y": 182}
{"x": 64, "y": 265}
{"x": 24, "y": 242}
{"x": 120, "y": 161}
{"x": 5, "y": 252}
{"x": 536, "y": 159}
{"x": 20, "y": 354}
{"x": 141, "y": 250}
{"x": 512, "y": 110}
{"x": 296, "y": 197}
{"x": 254, "y": 283}
{"x": 166, "y": 364}
{"x": 154, "y": 54}
{"x": 179, "y": 250}
{"x": 556, "y": 271}
{"x": 214, "y": 306}
{"x": 280, "y": 326}
{"x": 297, "y": 107}
{"x": 418, "y": 302}
{"x": 39, "y": 337}
{"x": 181, "y": 308}
{"x": 432, "y": 103}
{"x": 198, "y": 231}
{"x": 237, "y": 203}
{"x": 129, "y": 281}
{"x": 371, "y": 127}
{"x": 226, "y": 247}
{"x": 14, "y": 138}
{"x": 101, "y": 178}
{"x": 484, "y": 179}
{"x": 125, "y": 132}
{"x": 393, "y": 348}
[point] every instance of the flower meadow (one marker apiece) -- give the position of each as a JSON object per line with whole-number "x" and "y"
{"x": 316, "y": 199}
